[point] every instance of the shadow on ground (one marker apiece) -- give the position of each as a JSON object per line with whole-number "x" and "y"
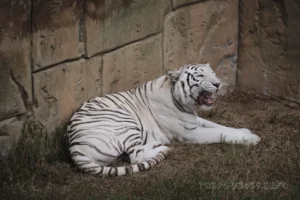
{"x": 270, "y": 170}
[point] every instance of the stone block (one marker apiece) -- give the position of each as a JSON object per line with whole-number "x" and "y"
{"x": 111, "y": 24}
{"x": 132, "y": 65}
{"x": 10, "y": 133}
{"x": 61, "y": 90}
{"x": 204, "y": 32}
{"x": 269, "y": 48}
{"x": 58, "y": 32}
{"x": 292, "y": 91}
{"x": 15, "y": 68}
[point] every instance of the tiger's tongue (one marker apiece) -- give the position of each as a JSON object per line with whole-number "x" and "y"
{"x": 205, "y": 99}
{"x": 209, "y": 100}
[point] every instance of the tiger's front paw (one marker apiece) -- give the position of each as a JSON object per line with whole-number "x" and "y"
{"x": 246, "y": 137}
{"x": 249, "y": 138}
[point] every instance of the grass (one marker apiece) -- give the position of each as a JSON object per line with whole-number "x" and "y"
{"x": 39, "y": 167}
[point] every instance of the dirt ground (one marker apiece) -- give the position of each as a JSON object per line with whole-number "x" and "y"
{"x": 270, "y": 170}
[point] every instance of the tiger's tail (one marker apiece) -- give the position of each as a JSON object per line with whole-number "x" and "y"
{"x": 95, "y": 169}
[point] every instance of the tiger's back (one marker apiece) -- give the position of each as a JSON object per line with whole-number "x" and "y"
{"x": 106, "y": 127}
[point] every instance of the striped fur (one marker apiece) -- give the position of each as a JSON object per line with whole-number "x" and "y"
{"x": 139, "y": 122}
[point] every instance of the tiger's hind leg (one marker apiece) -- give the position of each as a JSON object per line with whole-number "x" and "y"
{"x": 85, "y": 163}
{"x": 148, "y": 151}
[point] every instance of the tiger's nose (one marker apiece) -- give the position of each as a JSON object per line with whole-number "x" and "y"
{"x": 217, "y": 85}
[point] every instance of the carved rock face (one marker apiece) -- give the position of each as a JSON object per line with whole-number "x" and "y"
{"x": 269, "y": 48}
{"x": 57, "y": 32}
{"x": 204, "y": 32}
{"x": 111, "y": 24}
{"x": 61, "y": 90}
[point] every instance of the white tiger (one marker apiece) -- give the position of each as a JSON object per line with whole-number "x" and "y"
{"x": 139, "y": 122}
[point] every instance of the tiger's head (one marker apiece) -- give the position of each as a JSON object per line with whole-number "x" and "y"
{"x": 194, "y": 85}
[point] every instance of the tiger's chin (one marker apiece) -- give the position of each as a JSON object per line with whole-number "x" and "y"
{"x": 206, "y": 108}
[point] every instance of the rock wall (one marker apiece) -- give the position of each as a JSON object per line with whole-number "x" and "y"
{"x": 56, "y": 54}
{"x": 269, "y": 48}
{"x": 15, "y": 70}
{"x": 203, "y": 32}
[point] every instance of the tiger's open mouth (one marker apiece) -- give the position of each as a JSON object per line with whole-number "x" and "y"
{"x": 205, "y": 98}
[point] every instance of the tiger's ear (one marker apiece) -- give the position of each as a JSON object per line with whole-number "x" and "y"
{"x": 173, "y": 75}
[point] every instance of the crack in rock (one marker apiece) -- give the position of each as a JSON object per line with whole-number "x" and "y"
{"x": 24, "y": 94}
{"x": 50, "y": 99}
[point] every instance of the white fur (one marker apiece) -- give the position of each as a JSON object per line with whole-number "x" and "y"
{"x": 96, "y": 133}
{"x": 205, "y": 132}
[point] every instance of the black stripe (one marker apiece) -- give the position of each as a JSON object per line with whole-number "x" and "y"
{"x": 141, "y": 96}
{"x": 78, "y": 136}
{"x": 125, "y": 131}
{"x": 176, "y": 103}
{"x": 129, "y": 169}
{"x": 76, "y": 153}
{"x": 128, "y": 137}
{"x": 149, "y": 163}
{"x": 163, "y": 155}
{"x": 134, "y": 93}
{"x": 96, "y": 103}
{"x": 116, "y": 172}
{"x": 189, "y": 128}
{"x": 107, "y": 96}
{"x": 92, "y": 146}
{"x": 100, "y": 172}
{"x": 141, "y": 167}
{"x": 139, "y": 150}
{"x": 194, "y": 85}
{"x": 90, "y": 107}
{"x": 153, "y": 135}
{"x": 119, "y": 145}
{"x": 87, "y": 122}
{"x": 130, "y": 152}
{"x": 156, "y": 160}
{"x": 105, "y": 117}
{"x": 116, "y": 111}
{"x": 132, "y": 145}
{"x": 188, "y": 79}
{"x": 137, "y": 115}
{"x": 71, "y": 134}
{"x": 182, "y": 85}
{"x": 138, "y": 137}
{"x": 105, "y": 111}
{"x": 127, "y": 128}
{"x": 109, "y": 171}
{"x": 99, "y": 160}
{"x": 128, "y": 101}
{"x": 145, "y": 141}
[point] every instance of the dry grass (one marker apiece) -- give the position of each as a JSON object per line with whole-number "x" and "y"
{"x": 39, "y": 168}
